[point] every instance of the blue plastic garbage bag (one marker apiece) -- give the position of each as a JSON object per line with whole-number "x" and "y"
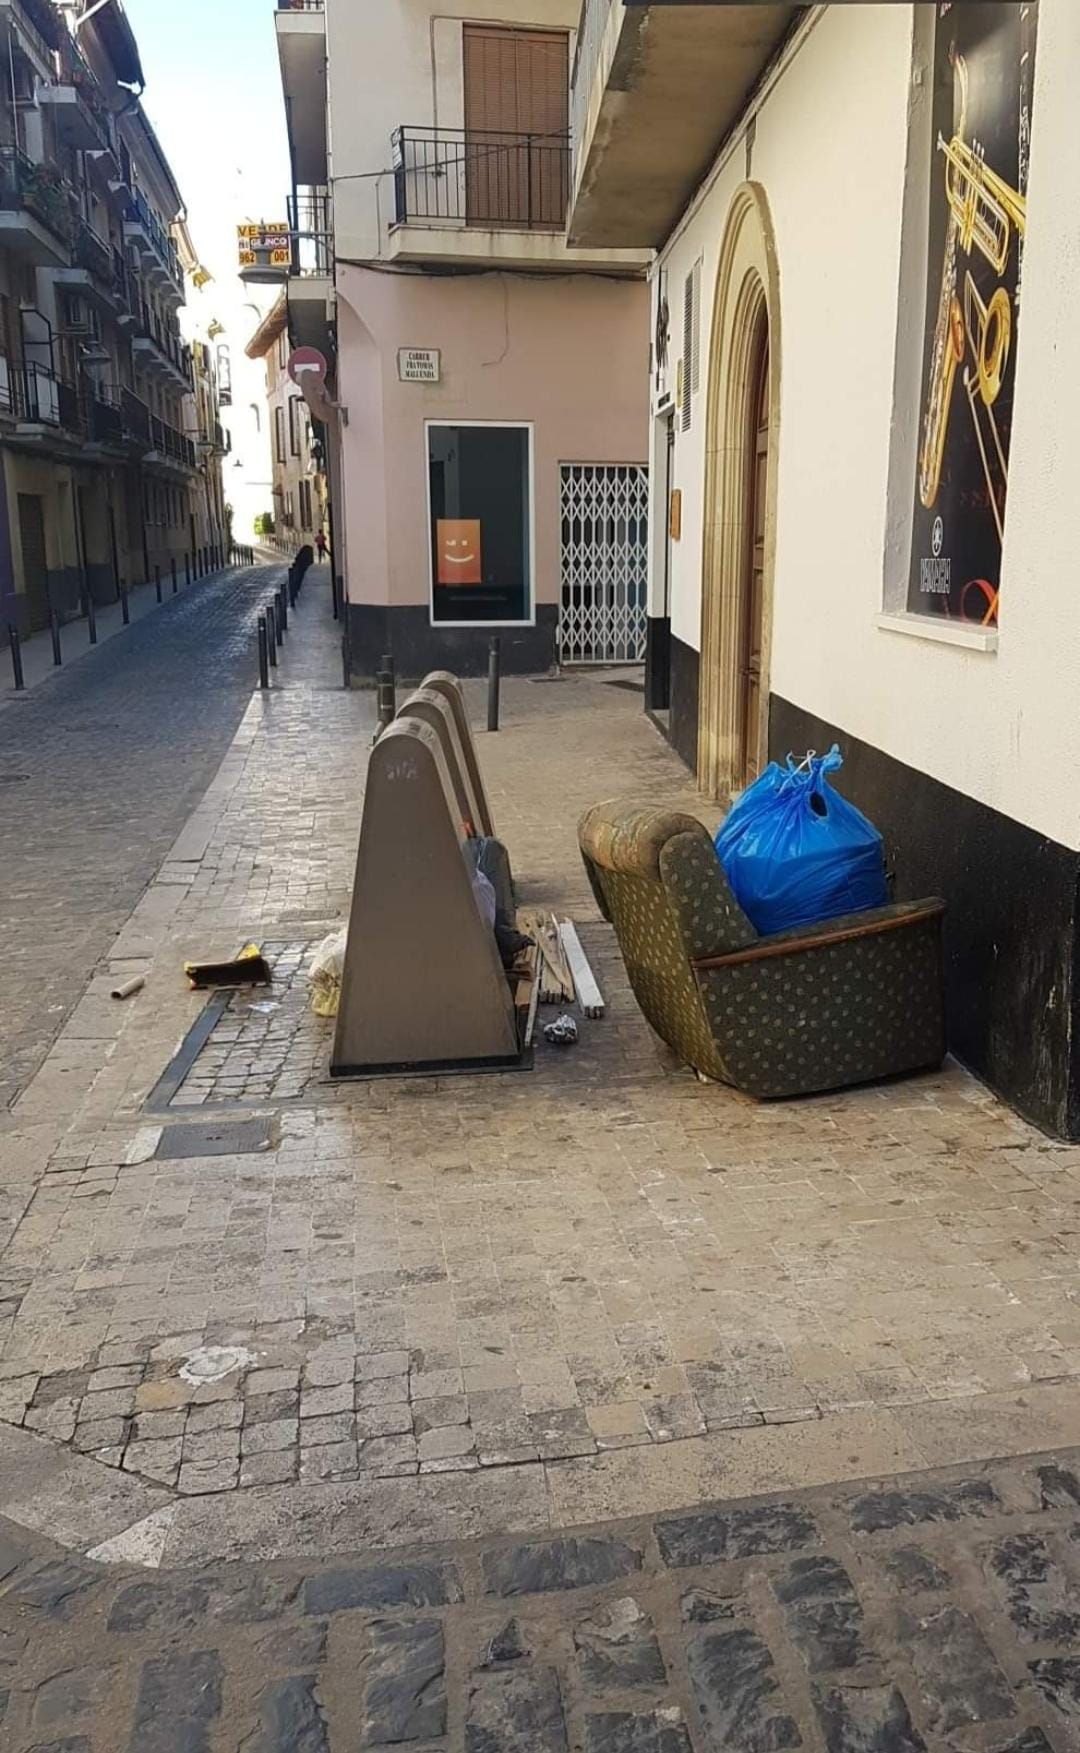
{"x": 795, "y": 851}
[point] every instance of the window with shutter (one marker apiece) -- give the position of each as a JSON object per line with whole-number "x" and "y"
{"x": 516, "y": 125}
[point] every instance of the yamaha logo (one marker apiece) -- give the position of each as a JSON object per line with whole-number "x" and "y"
{"x": 937, "y": 536}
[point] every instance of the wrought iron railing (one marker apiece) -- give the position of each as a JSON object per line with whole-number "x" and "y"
{"x": 311, "y": 223}
{"x": 591, "y": 27}
{"x": 39, "y": 189}
{"x": 93, "y": 253}
{"x": 35, "y": 395}
{"x": 102, "y": 411}
{"x": 139, "y": 212}
{"x": 301, "y": 5}
{"x": 136, "y": 418}
{"x": 457, "y": 176}
{"x": 167, "y": 441}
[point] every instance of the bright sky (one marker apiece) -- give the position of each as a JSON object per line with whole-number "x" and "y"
{"x": 213, "y": 94}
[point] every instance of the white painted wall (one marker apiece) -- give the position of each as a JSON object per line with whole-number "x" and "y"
{"x": 395, "y": 63}
{"x": 830, "y": 146}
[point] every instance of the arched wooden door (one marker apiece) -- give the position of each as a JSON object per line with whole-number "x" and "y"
{"x": 753, "y": 604}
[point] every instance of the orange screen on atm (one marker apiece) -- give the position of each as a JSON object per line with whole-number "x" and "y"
{"x": 458, "y": 542}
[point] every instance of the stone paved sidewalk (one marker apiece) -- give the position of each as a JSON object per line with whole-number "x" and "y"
{"x": 936, "y": 1611}
{"x": 601, "y": 1258}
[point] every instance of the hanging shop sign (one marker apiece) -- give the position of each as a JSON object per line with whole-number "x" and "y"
{"x": 266, "y": 244}
{"x": 984, "y": 58}
{"x": 419, "y": 364}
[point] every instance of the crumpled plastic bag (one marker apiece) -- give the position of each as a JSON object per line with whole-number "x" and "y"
{"x": 324, "y": 973}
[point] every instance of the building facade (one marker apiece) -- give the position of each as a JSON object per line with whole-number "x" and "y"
{"x": 297, "y": 462}
{"x": 101, "y": 470}
{"x": 865, "y": 444}
{"x": 488, "y": 464}
{"x": 211, "y": 379}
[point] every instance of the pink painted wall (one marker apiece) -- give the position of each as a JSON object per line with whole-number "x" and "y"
{"x": 567, "y": 352}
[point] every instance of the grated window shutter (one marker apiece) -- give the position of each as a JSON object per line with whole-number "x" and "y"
{"x": 691, "y": 361}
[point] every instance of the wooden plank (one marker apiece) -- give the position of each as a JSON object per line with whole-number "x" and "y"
{"x": 589, "y": 994}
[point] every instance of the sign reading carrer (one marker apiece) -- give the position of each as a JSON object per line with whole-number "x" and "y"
{"x": 419, "y": 364}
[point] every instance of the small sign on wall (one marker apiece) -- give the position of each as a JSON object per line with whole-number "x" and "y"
{"x": 675, "y": 515}
{"x": 419, "y": 364}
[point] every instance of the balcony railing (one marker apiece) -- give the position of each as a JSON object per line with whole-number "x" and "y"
{"x": 135, "y": 416}
{"x": 140, "y": 213}
{"x": 94, "y": 254}
{"x": 103, "y": 411}
{"x": 35, "y": 395}
{"x": 170, "y": 442}
{"x": 26, "y": 187}
{"x": 311, "y": 223}
{"x": 301, "y": 5}
{"x": 168, "y": 345}
{"x": 591, "y": 28}
{"x": 453, "y": 176}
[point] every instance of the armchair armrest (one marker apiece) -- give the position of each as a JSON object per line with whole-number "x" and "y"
{"x": 848, "y": 928}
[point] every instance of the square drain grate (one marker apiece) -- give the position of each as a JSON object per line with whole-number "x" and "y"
{"x": 217, "y": 1138}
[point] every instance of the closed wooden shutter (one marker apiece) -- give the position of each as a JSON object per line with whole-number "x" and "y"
{"x": 516, "y": 126}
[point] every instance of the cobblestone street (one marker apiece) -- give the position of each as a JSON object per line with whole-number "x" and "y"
{"x": 100, "y": 767}
{"x": 935, "y": 1612}
{"x": 268, "y": 1336}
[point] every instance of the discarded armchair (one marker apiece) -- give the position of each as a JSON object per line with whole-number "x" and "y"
{"x": 842, "y": 1002}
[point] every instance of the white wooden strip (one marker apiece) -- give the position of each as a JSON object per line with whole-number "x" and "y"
{"x": 589, "y": 994}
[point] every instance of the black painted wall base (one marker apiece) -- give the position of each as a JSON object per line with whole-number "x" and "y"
{"x": 683, "y": 723}
{"x": 416, "y": 646}
{"x": 658, "y": 663}
{"x": 1011, "y": 928}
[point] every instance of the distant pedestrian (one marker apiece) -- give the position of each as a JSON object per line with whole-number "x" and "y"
{"x": 320, "y": 545}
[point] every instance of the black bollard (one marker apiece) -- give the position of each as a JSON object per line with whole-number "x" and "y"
{"x": 187, "y": 568}
{"x": 16, "y": 655}
{"x": 385, "y": 703}
{"x": 264, "y": 658}
{"x": 157, "y": 582}
{"x": 125, "y": 612}
{"x": 493, "y": 682}
{"x": 54, "y": 629}
{"x": 279, "y": 631}
{"x": 91, "y": 618}
{"x": 283, "y": 607}
{"x": 271, "y": 635}
{"x": 172, "y": 563}
{"x": 334, "y": 592}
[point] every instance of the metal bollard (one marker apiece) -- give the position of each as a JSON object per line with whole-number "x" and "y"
{"x": 16, "y": 655}
{"x": 157, "y": 582}
{"x": 283, "y": 607}
{"x": 54, "y": 629}
{"x": 493, "y": 682}
{"x": 385, "y": 702}
{"x": 264, "y": 656}
{"x": 271, "y": 635}
{"x": 279, "y": 631}
{"x": 334, "y": 592}
{"x": 91, "y": 618}
{"x": 172, "y": 563}
{"x": 125, "y": 611}
{"x": 187, "y": 568}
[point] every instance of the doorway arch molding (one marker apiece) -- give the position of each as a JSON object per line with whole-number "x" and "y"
{"x": 747, "y": 294}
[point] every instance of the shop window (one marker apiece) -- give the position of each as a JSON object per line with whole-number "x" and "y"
{"x": 480, "y": 491}
{"x": 965, "y": 219}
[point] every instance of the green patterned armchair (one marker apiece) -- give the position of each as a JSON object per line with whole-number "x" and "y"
{"x": 842, "y": 1002}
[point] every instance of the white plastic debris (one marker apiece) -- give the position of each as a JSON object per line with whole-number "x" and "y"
{"x": 212, "y": 1363}
{"x": 324, "y": 972}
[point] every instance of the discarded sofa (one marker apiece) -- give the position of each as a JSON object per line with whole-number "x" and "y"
{"x": 842, "y": 1002}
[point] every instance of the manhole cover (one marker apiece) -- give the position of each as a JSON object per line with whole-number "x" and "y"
{"x": 217, "y": 1138}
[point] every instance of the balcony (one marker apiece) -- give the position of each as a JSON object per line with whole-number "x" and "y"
{"x": 135, "y": 418}
{"x": 170, "y": 449}
{"x": 655, "y": 91}
{"x": 102, "y": 412}
{"x": 91, "y": 273}
{"x": 146, "y": 235}
{"x": 82, "y": 117}
{"x": 311, "y": 279}
{"x": 159, "y": 352}
{"x": 37, "y": 28}
{"x": 487, "y": 199}
{"x": 301, "y": 40}
{"x": 37, "y": 216}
